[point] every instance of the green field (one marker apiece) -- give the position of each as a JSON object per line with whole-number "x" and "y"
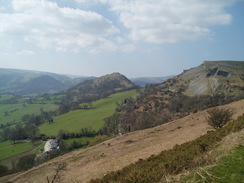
{"x": 14, "y": 112}
{"x": 5, "y": 97}
{"x": 50, "y": 100}
{"x": 74, "y": 121}
{"x": 13, "y": 108}
{"x": 8, "y": 149}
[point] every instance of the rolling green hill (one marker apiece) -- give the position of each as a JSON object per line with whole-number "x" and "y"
{"x": 99, "y": 88}
{"x": 94, "y": 89}
{"x": 92, "y": 118}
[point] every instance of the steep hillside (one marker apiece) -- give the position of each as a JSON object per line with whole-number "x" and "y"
{"x": 208, "y": 85}
{"x": 212, "y": 77}
{"x": 94, "y": 162}
{"x": 16, "y": 81}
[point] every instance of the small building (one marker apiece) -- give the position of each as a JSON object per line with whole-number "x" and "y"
{"x": 51, "y": 144}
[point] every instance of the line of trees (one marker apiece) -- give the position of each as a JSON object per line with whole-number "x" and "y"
{"x": 20, "y": 132}
{"x": 84, "y": 132}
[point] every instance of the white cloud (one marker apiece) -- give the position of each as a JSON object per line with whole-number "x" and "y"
{"x": 25, "y": 52}
{"x": 164, "y": 21}
{"x": 47, "y": 25}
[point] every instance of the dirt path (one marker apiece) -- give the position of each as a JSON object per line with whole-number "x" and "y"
{"x": 96, "y": 161}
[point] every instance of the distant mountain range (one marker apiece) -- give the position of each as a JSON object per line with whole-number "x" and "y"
{"x": 143, "y": 81}
{"x": 16, "y": 81}
{"x": 209, "y": 77}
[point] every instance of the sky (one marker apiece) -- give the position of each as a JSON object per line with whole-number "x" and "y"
{"x": 137, "y": 38}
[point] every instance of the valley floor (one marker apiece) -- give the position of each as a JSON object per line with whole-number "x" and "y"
{"x": 93, "y": 162}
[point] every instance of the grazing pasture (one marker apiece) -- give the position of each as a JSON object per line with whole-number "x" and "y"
{"x": 92, "y": 118}
{"x": 12, "y": 113}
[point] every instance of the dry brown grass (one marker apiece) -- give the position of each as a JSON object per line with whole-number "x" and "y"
{"x": 114, "y": 154}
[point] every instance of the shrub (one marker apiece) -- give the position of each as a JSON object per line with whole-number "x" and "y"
{"x": 218, "y": 117}
{"x": 26, "y": 162}
{"x": 3, "y": 170}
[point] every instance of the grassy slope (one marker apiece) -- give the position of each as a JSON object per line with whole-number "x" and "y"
{"x": 187, "y": 156}
{"x": 93, "y": 118}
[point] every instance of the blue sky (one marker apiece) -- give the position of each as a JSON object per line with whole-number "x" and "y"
{"x": 134, "y": 37}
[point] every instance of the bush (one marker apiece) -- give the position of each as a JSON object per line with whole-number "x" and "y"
{"x": 3, "y": 170}
{"x": 218, "y": 117}
{"x": 26, "y": 162}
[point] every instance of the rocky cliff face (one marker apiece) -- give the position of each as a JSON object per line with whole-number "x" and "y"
{"x": 216, "y": 76}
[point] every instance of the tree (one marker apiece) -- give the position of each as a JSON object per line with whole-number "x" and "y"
{"x": 26, "y": 117}
{"x": 218, "y": 117}
{"x": 9, "y": 134}
{"x": 50, "y": 120}
{"x": 31, "y": 131}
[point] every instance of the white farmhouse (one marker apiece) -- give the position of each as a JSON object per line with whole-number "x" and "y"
{"x": 51, "y": 144}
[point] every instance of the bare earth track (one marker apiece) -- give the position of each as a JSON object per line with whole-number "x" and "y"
{"x": 93, "y": 162}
